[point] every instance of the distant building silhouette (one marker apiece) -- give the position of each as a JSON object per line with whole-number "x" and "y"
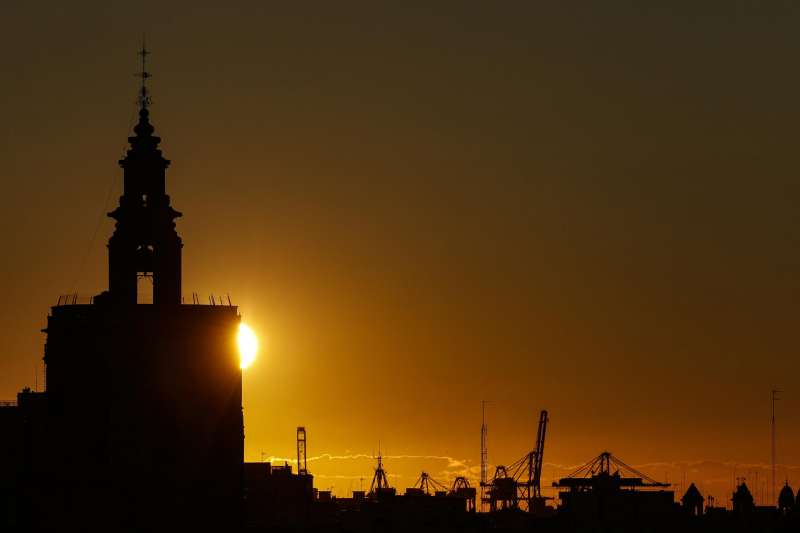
{"x": 786, "y": 501}
{"x": 276, "y": 497}
{"x": 743, "y": 501}
{"x": 140, "y": 426}
{"x": 693, "y": 501}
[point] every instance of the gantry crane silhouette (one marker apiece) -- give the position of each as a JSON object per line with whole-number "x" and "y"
{"x": 519, "y": 484}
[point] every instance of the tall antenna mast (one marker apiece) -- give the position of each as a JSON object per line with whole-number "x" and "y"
{"x": 774, "y": 397}
{"x": 144, "y": 94}
{"x": 484, "y": 452}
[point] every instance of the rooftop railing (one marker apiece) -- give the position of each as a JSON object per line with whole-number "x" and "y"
{"x": 74, "y": 299}
{"x": 194, "y": 299}
{"x": 212, "y": 300}
{"x": 8, "y": 403}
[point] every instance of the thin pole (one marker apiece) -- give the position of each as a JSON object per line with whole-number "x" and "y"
{"x": 774, "y": 397}
{"x": 484, "y": 452}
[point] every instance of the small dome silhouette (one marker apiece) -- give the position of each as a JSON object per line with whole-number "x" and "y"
{"x": 742, "y": 498}
{"x": 786, "y": 498}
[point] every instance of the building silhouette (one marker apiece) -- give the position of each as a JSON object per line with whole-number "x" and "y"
{"x": 275, "y": 497}
{"x": 742, "y": 499}
{"x": 692, "y": 501}
{"x": 786, "y": 501}
{"x": 140, "y": 425}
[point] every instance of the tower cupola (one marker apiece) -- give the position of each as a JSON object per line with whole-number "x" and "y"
{"x": 145, "y": 250}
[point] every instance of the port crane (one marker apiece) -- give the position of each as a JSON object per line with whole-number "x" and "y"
{"x": 461, "y": 488}
{"x": 425, "y": 483}
{"x": 426, "y": 486}
{"x": 380, "y": 483}
{"x": 520, "y": 482}
{"x": 606, "y": 471}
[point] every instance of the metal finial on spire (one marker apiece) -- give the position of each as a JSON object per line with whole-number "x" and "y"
{"x": 144, "y": 94}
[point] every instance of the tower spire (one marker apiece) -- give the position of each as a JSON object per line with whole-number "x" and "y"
{"x": 144, "y": 94}
{"x": 145, "y": 245}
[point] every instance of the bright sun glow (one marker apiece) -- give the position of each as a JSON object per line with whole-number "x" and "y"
{"x": 248, "y": 345}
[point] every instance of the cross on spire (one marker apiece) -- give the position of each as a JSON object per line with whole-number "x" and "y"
{"x": 144, "y": 94}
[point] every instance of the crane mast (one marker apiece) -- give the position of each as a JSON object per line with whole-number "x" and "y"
{"x": 536, "y": 482}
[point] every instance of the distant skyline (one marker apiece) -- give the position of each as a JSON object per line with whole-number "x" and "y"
{"x": 585, "y": 208}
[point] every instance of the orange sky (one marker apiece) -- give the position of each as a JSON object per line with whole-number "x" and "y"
{"x": 587, "y": 209}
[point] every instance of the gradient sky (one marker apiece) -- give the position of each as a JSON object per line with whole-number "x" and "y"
{"x": 589, "y": 207}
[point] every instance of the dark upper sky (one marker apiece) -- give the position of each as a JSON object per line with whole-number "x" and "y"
{"x": 584, "y": 206}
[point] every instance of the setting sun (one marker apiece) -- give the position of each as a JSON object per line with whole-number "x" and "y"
{"x": 248, "y": 345}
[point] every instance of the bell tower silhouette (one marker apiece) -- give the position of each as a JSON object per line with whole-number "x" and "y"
{"x": 140, "y": 426}
{"x": 145, "y": 243}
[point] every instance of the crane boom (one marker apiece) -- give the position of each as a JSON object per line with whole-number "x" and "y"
{"x": 539, "y": 455}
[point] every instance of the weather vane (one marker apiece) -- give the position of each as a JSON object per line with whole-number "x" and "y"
{"x": 144, "y": 96}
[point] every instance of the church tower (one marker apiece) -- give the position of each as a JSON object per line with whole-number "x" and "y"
{"x": 140, "y": 426}
{"x": 145, "y": 249}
